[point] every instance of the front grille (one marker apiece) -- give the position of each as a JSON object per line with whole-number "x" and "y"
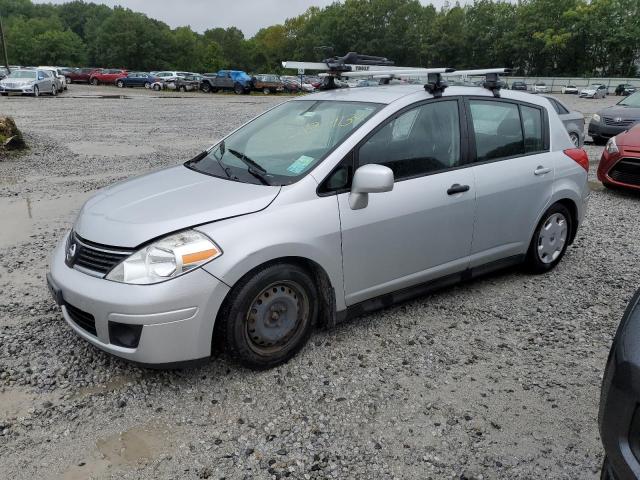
{"x": 624, "y": 122}
{"x": 83, "y": 319}
{"x": 97, "y": 258}
{"x": 626, "y": 171}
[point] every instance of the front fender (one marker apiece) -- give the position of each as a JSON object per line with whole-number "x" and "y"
{"x": 304, "y": 229}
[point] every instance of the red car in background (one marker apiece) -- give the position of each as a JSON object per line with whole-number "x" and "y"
{"x": 76, "y": 75}
{"x": 107, "y": 75}
{"x": 620, "y": 162}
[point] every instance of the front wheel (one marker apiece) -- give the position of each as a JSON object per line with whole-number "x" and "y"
{"x": 205, "y": 87}
{"x": 36, "y": 91}
{"x": 120, "y": 84}
{"x": 268, "y": 316}
{"x": 147, "y": 85}
{"x": 183, "y": 88}
{"x": 67, "y": 80}
{"x": 238, "y": 89}
{"x": 54, "y": 91}
{"x": 550, "y": 240}
{"x": 94, "y": 82}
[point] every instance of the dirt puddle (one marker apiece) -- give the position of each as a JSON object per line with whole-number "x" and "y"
{"x": 20, "y": 216}
{"x": 138, "y": 445}
{"x": 16, "y": 403}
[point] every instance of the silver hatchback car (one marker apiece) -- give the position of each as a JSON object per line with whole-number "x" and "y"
{"x": 326, "y": 206}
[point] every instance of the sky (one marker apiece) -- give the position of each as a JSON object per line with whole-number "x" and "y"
{"x": 248, "y": 15}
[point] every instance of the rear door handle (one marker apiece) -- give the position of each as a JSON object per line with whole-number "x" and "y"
{"x": 541, "y": 170}
{"x": 457, "y": 188}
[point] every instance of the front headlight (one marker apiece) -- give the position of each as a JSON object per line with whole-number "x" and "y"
{"x": 596, "y": 117}
{"x": 612, "y": 146}
{"x": 166, "y": 258}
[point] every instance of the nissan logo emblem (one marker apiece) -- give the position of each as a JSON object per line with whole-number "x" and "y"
{"x": 71, "y": 251}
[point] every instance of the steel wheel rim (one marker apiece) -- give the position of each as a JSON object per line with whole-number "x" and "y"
{"x": 552, "y": 238}
{"x": 277, "y": 317}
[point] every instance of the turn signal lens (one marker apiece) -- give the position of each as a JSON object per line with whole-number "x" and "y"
{"x": 579, "y": 156}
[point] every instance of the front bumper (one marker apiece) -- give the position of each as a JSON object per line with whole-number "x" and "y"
{"x": 619, "y": 415}
{"x": 598, "y": 129}
{"x": 177, "y": 316}
{"x": 26, "y": 90}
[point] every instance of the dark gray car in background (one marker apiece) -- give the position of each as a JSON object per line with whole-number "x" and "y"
{"x": 611, "y": 121}
{"x": 572, "y": 120}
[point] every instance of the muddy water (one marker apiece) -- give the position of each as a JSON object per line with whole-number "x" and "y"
{"x": 138, "y": 445}
{"x": 21, "y": 217}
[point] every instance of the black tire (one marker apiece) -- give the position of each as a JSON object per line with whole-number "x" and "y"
{"x": 183, "y": 88}
{"x": 243, "y": 331}
{"x": 598, "y": 140}
{"x": 205, "y": 87}
{"x": 156, "y": 88}
{"x": 67, "y": 80}
{"x": 36, "y": 91}
{"x": 94, "y": 82}
{"x": 534, "y": 263}
{"x": 266, "y": 90}
{"x": 147, "y": 85}
{"x": 215, "y": 90}
{"x": 238, "y": 89}
{"x": 120, "y": 84}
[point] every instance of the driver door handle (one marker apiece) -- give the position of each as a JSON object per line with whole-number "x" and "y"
{"x": 457, "y": 188}
{"x": 541, "y": 170}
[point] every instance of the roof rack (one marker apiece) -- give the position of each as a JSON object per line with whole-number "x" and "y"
{"x": 354, "y": 65}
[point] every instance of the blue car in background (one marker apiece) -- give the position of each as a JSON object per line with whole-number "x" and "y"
{"x": 235, "y": 80}
{"x": 136, "y": 79}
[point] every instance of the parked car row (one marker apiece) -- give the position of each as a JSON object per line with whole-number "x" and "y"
{"x": 613, "y": 120}
{"x": 33, "y": 82}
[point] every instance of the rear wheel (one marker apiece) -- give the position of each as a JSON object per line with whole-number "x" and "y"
{"x": 54, "y": 91}
{"x": 182, "y": 88}
{"x": 238, "y": 89}
{"x": 205, "y": 87}
{"x": 94, "y": 81}
{"x": 550, "y": 240}
{"x": 67, "y": 80}
{"x": 268, "y": 316}
{"x": 266, "y": 91}
{"x": 157, "y": 87}
{"x": 147, "y": 85}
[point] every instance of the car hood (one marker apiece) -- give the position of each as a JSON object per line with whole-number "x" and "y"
{"x": 621, "y": 111}
{"x": 629, "y": 138}
{"x": 17, "y": 80}
{"x": 134, "y": 211}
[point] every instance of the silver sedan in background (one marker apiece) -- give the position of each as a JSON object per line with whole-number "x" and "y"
{"x": 28, "y": 82}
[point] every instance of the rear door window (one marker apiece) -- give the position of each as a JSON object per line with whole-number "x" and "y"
{"x": 506, "y": 129}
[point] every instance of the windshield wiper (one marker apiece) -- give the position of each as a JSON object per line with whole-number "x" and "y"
{"x": 254, "y": 168}
{"x": 224, "y": 168}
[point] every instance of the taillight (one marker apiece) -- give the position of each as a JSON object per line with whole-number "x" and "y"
{"x": 579, "y": 155}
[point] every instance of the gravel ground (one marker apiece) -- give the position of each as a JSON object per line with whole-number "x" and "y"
{"x": 498, "y": 378}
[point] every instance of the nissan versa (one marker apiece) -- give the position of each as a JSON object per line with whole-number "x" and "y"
{"x": 325, "y": 206}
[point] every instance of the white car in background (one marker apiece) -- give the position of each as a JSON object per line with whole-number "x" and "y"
{"x": 597, "y": 90}
{"x": 570, "y": 89}
{"x": 540, "y": 87}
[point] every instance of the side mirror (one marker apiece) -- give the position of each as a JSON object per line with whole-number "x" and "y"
{"x": 368, "y": 179}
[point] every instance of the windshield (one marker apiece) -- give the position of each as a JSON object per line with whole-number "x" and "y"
{"x": 632, "y": 100}
{"x": 285, "y": 143}
{"x": 595, "y": 86}
{"x": 23, "y": 74}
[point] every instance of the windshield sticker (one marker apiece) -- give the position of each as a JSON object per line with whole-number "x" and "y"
{"x": 300, "y": 164}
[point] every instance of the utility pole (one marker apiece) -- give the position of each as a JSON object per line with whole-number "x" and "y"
{"x": 4, "y": 47}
